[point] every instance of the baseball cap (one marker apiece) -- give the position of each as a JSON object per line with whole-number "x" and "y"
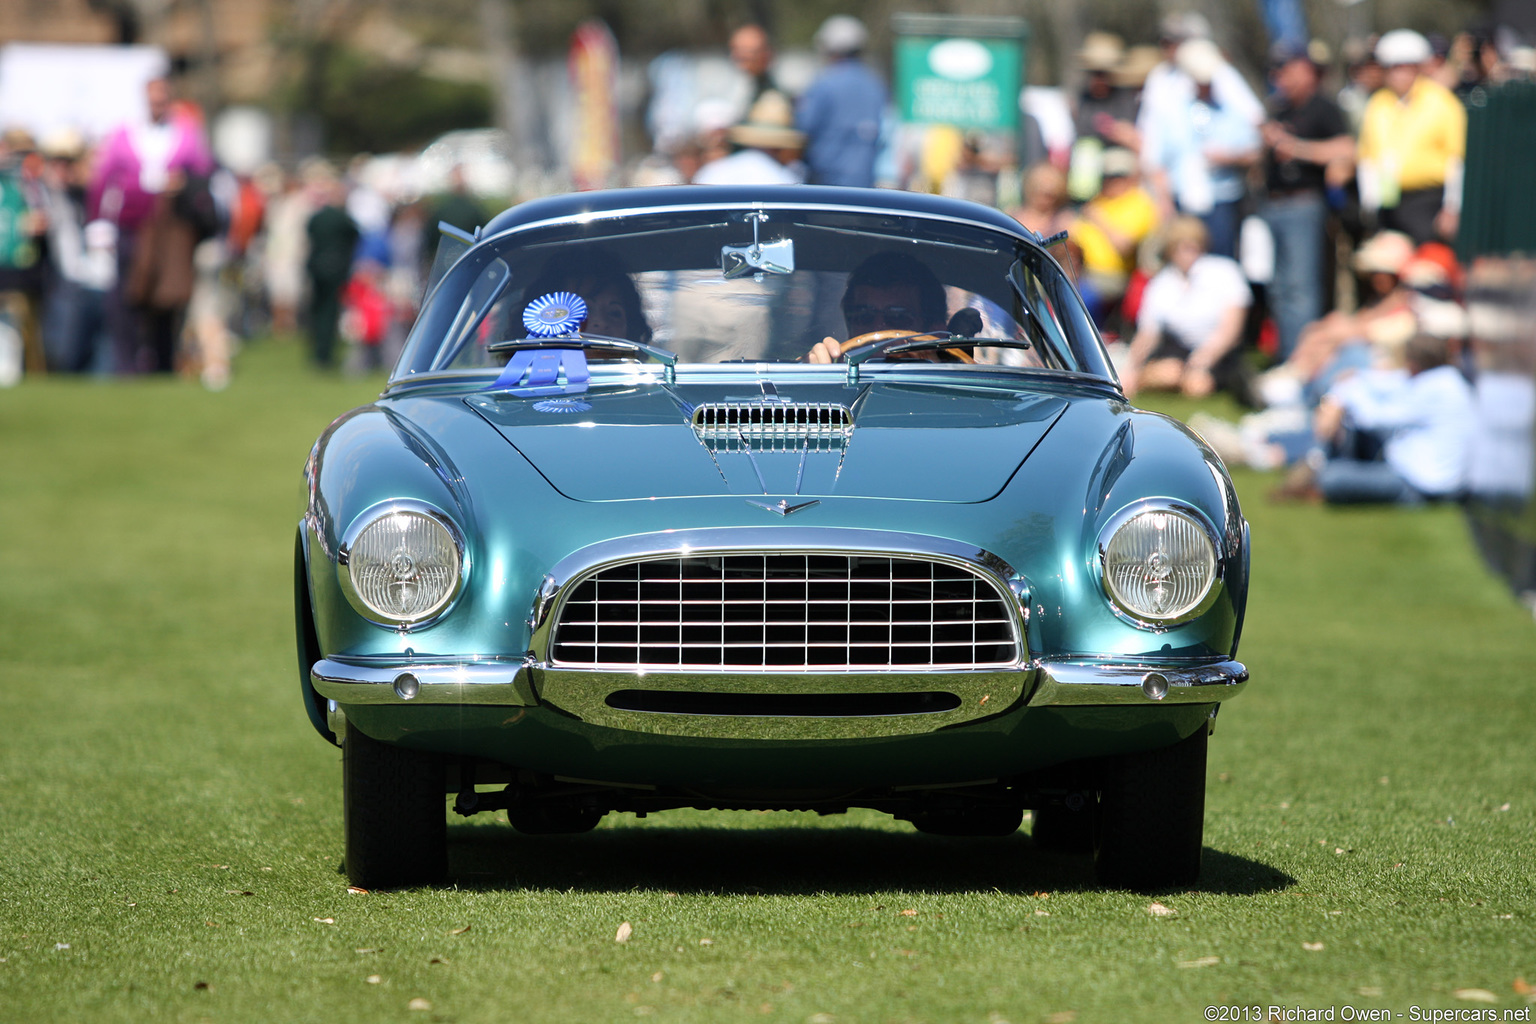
{"x": 1402, "y": 46}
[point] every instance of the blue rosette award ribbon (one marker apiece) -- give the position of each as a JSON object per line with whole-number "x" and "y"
{"x": 538, "y": 371}
{"x": 554, "y": 315}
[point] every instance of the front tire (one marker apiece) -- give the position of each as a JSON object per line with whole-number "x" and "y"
{"x": 393, "y": 812}
{"x": 1151, "y": 817}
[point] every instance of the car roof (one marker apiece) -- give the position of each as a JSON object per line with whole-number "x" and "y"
{"x": 618, "y": 201}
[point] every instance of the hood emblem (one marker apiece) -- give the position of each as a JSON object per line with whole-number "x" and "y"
{"x": 782, "y": 507}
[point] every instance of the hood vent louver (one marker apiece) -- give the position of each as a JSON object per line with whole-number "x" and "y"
{"x": 773, "y": 426}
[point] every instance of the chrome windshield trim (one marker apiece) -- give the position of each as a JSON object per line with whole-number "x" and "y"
{"x": 423, "y": 681}
{"x": 831, "y": 540}
{"x": 589, "y": 217}
{"x": 1083, "y": 682}
{"x": 481, "y": 377}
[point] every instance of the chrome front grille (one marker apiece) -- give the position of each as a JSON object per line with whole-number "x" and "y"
{"x": 773, "y": 426}
{"x": 771, "y": 611}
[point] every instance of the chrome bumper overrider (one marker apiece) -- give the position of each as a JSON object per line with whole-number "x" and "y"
{"x": 511, "y": 682}
{"x": 444, "y": 681}
{"x": 1080, "y": 682}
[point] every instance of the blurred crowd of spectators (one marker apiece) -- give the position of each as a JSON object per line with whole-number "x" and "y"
{"x": 1307, "y": 221}
{"x": 1307, "y": 234}
{"x": 141, "y": 255}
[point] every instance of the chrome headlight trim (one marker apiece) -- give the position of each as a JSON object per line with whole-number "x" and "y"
{"x": 372, "y": 515}
{"x": 1168, "y": 506}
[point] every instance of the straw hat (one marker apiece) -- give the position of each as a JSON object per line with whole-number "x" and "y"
{"x": 19, "y": 140}
{"x": 770, "y": 124}
{"x": 63, "y": 144}
{"x": 1200, "y": 59}
{"x": 1101, "y": 51}
{"x": 1385, "y": 252}
{"x": 1136, "y": 66}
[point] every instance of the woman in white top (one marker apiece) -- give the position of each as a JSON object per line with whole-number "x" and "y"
{"x": 1191, "y": 320}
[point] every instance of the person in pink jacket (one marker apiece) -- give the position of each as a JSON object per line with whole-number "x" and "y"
{"x": 142, "y": 169}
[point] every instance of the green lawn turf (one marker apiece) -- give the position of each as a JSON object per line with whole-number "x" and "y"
{"x": 170, "y": 823}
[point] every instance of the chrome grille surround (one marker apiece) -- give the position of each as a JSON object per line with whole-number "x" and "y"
{"x": 773, "y": 426}
{"x": 819, "y": 608}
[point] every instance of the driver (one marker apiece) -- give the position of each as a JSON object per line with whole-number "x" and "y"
{"x": 889, "y": 291}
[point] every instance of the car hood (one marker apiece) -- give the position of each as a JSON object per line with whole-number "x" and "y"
{"x": 907, "y": 441}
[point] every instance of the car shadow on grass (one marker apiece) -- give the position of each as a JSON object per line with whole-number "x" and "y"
{"x": 795, "y": 861}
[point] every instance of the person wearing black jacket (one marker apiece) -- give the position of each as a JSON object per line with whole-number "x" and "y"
{"x": 1306, "y": 132}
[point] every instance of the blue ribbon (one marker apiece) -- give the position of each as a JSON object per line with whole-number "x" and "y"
{"x": 542, "y": 368}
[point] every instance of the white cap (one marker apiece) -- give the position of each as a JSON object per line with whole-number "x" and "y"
{"x": 842, "y": 33}
{"x": 1440, "y": 318}
{"x": 715, "y": 115}
{"x": 1402, "y": 46}
{"x": 1200, "y": 59}
{"x": 1181, "y": 25}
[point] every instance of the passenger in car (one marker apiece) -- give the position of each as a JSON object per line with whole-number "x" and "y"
{"x": 612, "y": 301}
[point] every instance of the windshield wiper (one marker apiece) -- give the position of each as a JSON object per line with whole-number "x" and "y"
{"x": 919, "y": 341}
{"x": 593, "y": 342}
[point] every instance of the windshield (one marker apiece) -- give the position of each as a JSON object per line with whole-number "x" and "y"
{"x": 723, "y": 285}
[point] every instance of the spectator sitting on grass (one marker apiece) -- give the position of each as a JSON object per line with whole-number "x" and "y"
{"x": 1391, "y": 437}
{"x": 1191, "y": 321}
{"x": 1342, "y": 341}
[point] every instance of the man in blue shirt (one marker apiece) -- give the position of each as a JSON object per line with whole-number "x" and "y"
{"x": 1395, "y": 437}
{"x": 1204, "y": 149}
{"x": 841, "y": 112}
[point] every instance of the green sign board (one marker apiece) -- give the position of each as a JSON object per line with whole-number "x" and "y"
{"x": 946, "y": 74}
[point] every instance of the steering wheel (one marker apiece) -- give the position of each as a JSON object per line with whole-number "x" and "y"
{"x": 871, "y": 337}
{"x": 874, "y": 338}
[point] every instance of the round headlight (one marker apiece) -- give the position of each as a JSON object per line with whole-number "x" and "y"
{"x": 402, "y": 564}
{"x": 1159, "y": 565}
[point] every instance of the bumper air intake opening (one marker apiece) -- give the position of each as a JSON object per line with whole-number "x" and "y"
{"x": 784, "y": 705}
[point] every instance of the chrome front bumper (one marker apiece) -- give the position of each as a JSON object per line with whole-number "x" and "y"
{"x": 505, "y": 681}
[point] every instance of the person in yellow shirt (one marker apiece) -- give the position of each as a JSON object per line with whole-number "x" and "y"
{"x": 1413, "y": 138}
{"x": 1112, "y": 226}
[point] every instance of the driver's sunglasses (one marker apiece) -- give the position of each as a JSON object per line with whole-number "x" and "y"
{"x": 862, "y": 319}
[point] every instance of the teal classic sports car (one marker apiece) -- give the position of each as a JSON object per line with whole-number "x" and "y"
{"x": 766, "y": 498}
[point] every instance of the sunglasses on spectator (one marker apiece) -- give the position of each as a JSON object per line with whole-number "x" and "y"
{"x": 865, "y": 318}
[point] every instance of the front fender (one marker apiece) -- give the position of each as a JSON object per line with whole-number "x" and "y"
{"x": 308, "y": 640}
{"x": 1102, "y": 457}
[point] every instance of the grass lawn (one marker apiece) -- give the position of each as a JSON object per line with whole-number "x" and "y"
{"x": 170, "y": 825}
